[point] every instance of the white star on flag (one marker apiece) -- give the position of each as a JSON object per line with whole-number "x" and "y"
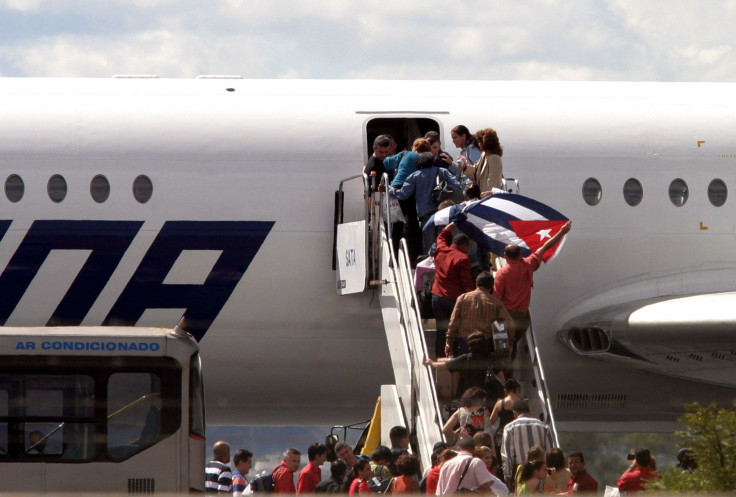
{"x": 544, "y": 234}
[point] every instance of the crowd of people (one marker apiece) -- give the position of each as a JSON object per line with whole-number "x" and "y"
{"x": 493, "y": 443}
{"x": 531, "y": 464}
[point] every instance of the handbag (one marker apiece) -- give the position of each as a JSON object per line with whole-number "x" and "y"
{"x": 444, "y": 191}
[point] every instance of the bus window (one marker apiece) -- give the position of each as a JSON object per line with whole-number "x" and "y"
{"x": 133, "y": 413}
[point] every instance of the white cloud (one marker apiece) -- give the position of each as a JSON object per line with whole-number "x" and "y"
{"x": 500, "y": 39}
{"x": 22, "y": 5}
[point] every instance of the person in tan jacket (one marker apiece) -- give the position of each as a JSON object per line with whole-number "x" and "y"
{"x": 488, "y": 170}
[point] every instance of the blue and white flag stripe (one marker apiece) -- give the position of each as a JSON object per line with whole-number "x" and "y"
{"x": 488, "y": 221}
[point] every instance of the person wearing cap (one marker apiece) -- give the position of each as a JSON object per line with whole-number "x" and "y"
{"x": 685, "y": 461}
{"x": 520, "y": 435}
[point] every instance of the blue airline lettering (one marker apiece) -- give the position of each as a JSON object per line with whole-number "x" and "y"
{"x": 239, "y": 242}
{"x": 108, "y": 241}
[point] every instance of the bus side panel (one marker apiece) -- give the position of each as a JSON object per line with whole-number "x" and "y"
{"x": 154, "y": 468}
{"x": 197, "y": 462}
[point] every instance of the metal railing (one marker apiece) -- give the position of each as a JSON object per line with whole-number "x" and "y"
{"x": 414, "y": 380}
{"x": 391, "y": 271}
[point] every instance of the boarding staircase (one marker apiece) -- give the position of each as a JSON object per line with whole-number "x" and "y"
{"x": 413, "y": 400}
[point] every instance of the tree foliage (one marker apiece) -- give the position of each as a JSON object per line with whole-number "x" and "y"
{"x": 710, "y": 434}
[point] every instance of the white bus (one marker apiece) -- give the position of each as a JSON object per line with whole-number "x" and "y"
{"x": 100, "y": 409}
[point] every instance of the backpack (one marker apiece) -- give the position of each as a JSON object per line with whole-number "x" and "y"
{"x": 263, "y": 483}
{"x": 378, "y": 484}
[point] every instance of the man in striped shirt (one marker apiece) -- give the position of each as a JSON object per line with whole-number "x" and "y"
{"x": 519, "y": 436}
{"x": 218, "y": 476}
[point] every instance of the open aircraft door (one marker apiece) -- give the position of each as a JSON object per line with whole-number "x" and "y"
{"x": 351, "y": 258}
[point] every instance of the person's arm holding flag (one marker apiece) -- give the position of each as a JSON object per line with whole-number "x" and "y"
{"x": 553, "y": 241}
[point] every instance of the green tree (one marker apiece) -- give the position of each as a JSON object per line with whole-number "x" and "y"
{"x": 710, "y": 434}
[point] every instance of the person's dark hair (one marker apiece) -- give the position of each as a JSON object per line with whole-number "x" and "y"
{"x": 472, "y": 395}
{"x": 484, "y": 279}
{"x": 512, "y": 251}
{"x": 555, "y": 458}
{"x": 642, "y": 457}
{"x": 577, "y": 454}
{"x": 535, "y": 453}
{"x": 460, "y": 239}
{"x": 528, "y": 469}
{"x": 338, "y": 470}
{"x": 466, "y": 443}
{"x": 408, "y": 465}
{"x": 382, "y": 141}
{"x": 511, "y": 385}
{"x": 478, "y": 342}
{"x": 432, "y": 136}
{"x": 446, "y": 455}
{"x": 381, "y": 453}
{"x": 397, "y": 433}
{"x": 425, "y": 160}
{"x": 463, "y": 130}
{"x": 472, "y": 192}
{"x": 521, "y": 405}
{"x": 241, "y": 455}
{"x": 483, "y": 439}
{"x": 315, "y": 450}
{"x": 358, "y": 466}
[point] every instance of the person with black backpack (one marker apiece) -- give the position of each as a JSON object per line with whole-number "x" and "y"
{"x": 283, "y": 474}
{"x": 334, "y": 484}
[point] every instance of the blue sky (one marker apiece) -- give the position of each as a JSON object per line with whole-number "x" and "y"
{"x": 651, "y": 40}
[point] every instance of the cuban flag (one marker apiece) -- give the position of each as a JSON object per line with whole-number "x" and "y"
{"x": 502, "y": 219}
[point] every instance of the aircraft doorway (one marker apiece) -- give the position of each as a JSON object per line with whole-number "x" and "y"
{"x": 404, "y": 130}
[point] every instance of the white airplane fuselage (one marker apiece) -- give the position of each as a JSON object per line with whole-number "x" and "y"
{"x": 237, "y": 234}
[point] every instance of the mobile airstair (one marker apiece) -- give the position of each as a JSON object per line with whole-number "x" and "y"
{"x": 365, "y": 260}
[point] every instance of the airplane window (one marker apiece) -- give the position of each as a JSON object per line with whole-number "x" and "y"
{"x": 56, "y": 188}
{"x": 99, "y": 188}
{"x": 592, "y": 191}
{"x": 717, "y": 192}
{"x": 142, "y": 189}
{"x": 14, "y": 188}
{"x": 633, "y": 192}
{"x": 678, "y": 192}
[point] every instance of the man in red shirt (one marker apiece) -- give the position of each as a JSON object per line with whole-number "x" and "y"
{"x": 311, "y": 475}
{"x": 283, "y": 474}
{"x": 580, "y": 481}
{"x": 451, "y": 279}
{"x": 639, "y": 473}
{"x": 513, "y": 284}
